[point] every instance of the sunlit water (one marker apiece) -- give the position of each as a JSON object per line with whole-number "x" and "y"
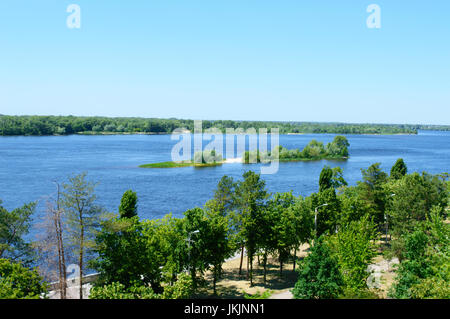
{"x": 29, "y": 165}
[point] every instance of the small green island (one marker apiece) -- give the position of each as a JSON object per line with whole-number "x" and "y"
{"x": 207, "y": 158}
{"x": 315, "y": 150}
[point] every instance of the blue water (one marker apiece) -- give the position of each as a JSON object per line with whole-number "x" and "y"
{"x": 28, "y": 165}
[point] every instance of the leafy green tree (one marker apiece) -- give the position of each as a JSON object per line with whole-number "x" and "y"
{"x": 354, "y": 247}
{"x": 319, "y": 275}
{"x": 121, "y": 252}
{"x": 14, "y": 226}
{"x": 414, "y": 268}
{"x": 18, "y": 282}
{"x": 353, "y": 207}
{"x": 283, "y": 226}
{"x": 250, "y": 197}
{"x": 328, "y": 216}
{"x": 325, "y": 178}
{"x": 218, "y": 243}
{"x": 339, "y": 146}
{"x": 196, "y": 230}
{"x": 424, "y": 271}
{"x": 399, "y": 169}
{"x": 128, "y": 204}
{"x": 83, "y": 218}
{"x": 183, "y": 288}
{"x": 415, "y": 195}
{"x": 373, "y": 192}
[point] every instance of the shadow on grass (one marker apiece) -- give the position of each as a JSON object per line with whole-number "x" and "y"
{"x": 233, "y": 285}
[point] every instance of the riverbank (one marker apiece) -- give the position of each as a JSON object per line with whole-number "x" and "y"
{"x": 180, "y": 164}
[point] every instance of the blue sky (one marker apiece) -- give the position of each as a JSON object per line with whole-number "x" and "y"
{"x": 286, "y": 60}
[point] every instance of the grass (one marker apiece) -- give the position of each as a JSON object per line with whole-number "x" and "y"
{"x": 179, "y": 164}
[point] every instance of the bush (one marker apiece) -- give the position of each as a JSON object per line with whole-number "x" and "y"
{"x": 183, "y": 288}
{"x": 117, "y": 290}
{"x": 319, "y": 275}
{"x": 18, "y": 282}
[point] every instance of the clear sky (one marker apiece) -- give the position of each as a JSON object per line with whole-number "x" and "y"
{"x": 287, "y": 60}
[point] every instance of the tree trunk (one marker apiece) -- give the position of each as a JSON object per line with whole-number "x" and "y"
{"x": 242, "y": 258}
{"x": 248, "y": 265}
{"x": 265, "y": 266}
{"x": 251, "y": 273}
{"x": 81, "y": 256}
{"x": 281, "y": 268}
{"x": 295, "y": 259}
{"x": 215, "y": 280}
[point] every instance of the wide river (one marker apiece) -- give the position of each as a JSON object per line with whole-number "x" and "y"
{"x": 29, "y": 165}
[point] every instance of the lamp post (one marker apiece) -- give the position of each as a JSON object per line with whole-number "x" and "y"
{"x": 315, "y": 218}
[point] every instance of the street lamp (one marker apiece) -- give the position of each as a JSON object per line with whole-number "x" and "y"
{"x": 315, "y": 218}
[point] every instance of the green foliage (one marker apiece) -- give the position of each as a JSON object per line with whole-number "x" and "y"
{"x": 183, "y": 288}
{"x": 338, "y": 149}
{"x": 373, "y": 192}
{"x": 354, "y": 247}
{"x": 358, "y": 293}
{"x": 121, "y": 253}
{"x": 116, "y": 290}
{"x": 14, "y": 226}
{"x": 319, "y": 275}
{"x": 399, "y": 169}
{"x": 328, "y": 216}
{"x": 325, "y": 178}
{"x": 250, "y": 197}
{"x": 48, "y": 125}
{"x": 259, "y": 295}
{"x": 18, "y": 282}
{"x": 128, "y": 204}
{"x": 415, "y": 195}
{"x": 425, "y": 271}
{"x": 207, "y": 157}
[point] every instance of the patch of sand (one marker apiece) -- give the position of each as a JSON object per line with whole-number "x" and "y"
{"x": 233, "y": 160}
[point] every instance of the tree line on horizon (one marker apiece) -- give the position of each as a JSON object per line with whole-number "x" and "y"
{"x": 168, "y": 257}
{"x": 66, "y": 125}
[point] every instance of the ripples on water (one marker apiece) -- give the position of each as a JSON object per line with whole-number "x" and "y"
{"x": 28, "y": 165}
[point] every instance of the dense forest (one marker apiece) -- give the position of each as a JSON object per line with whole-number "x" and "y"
{"x": 65, "y": 125}
{"x": 345, "y": 227}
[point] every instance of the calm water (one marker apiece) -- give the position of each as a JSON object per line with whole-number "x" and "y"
{"x": 29, "y": 164}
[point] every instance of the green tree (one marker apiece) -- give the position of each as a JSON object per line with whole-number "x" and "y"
{"x": 415, "y": 195}
{"x": 218, "y": 244}
{"x": 328, "y": 215}
{"x": 121, "y": 252}
{"x": 354, "y": 247}
{"x": 399, "y": 169}
{"x": 283, "y": 226}
{"x": 18, "y": 282}
{"x": 372, "y": 190}
{"x": 250, "y": 196}
{"x": 14, "y": 226}
{"x": 83, "y": 218}
{"x": 319, "y": 276}
{"x": 128, "y": 204}
{"x": 325, "y": 178}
